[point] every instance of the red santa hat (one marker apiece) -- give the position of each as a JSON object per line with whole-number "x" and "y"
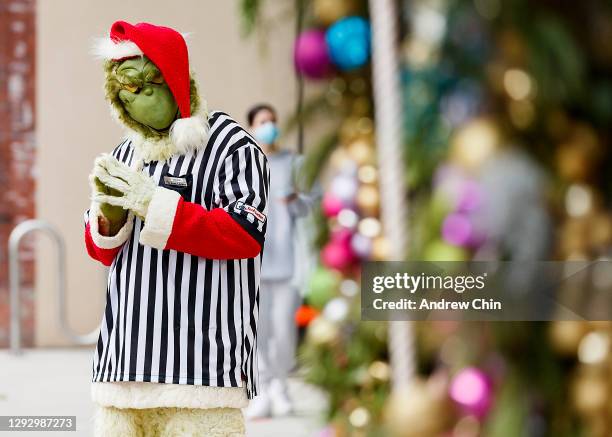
{"x": 167, "y": 49}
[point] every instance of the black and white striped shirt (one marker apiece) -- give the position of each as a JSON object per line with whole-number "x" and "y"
{"x": 176, "y": 318}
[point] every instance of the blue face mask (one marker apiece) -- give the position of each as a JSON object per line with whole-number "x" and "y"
{"x": 266, "y": 133}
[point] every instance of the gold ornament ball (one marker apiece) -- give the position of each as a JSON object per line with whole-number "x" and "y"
{"x": 380, "y": 249}
{"x": 367, "y": 174}
{"x": 368, "y": 200}
{"x": 359, "y": 417}
{"x": 589, "y": 390}
{"x": 601, "y": 229}
{"x": 572, "y": 163}
{"x": 356, "y": 128}
{"x": 338, "y": 158}
{"x": 321, "y": 331}
{"x": 567, "y": 335}
{"x": 370, "y": 227}
{"x": 361, "y": 105}
{"x": 362, "y": 152}
{"x": 574, "y": 234}
{"x": 417, "y": 411}
{"x": 580, "y": 154}
{"x": 474, "y": 143}
{"x": 581, "y": 200}
{"x": 349, "y": 130}
{"x": 380, "y": 370}
{"x": 594, "y": 348}
{"x": 328, "y": 11}
{"x": 365, "y": 126}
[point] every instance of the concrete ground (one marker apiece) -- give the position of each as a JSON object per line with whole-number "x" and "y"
{"x": 47, "y": 382}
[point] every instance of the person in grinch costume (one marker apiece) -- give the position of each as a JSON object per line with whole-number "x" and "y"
{"x": 178, "y": 212}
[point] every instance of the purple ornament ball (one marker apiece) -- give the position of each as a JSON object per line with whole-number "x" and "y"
{"x": 361, "y": 245}
{"x": 457, "y": 229}
{"x": 344, "y": 187}
{"x": 311, "y": 54}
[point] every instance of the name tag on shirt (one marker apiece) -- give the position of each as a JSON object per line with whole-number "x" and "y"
{"x": 174, "y": 181}
{"x": 182, "y": 184}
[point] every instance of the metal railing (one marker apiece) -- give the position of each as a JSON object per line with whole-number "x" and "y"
{"x": 17, "y": 234}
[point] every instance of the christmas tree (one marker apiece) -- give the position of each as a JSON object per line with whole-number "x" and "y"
{"x": 506, "y": 114}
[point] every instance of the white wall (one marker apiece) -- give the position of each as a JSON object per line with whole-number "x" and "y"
{"x": 74, "y": 125}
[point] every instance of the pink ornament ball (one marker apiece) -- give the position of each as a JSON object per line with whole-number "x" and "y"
{"x": 341, "y": 236}
{"x": 331, "y": 205}
{"x": 337, "y": 255}
{"x": 311, "y": 55}
{"x": 472, "y": 390}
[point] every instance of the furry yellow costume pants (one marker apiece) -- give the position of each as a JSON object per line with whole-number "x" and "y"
{"x": 168, "y": 422}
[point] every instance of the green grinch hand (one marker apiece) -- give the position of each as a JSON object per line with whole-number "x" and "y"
{"x": 135, "y": 188}
{"x": 114, "y": 217}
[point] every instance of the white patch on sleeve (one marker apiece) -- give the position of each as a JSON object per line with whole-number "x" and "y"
{"x": 160, "y": 218}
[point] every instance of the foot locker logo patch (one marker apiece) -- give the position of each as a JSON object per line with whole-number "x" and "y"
{"x": 244, "y": 209}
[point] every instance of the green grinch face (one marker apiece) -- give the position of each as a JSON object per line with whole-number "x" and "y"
{"x": 143, "y": 93}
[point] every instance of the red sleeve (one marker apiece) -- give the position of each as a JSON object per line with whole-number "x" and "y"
{"x": 105, "y": 256}
{"x": 210, "y": 234}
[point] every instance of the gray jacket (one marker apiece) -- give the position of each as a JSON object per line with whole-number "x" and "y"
{"x": 279, "y": 248}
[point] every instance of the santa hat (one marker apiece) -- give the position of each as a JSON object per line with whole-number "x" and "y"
{"x": 167, "y": 49}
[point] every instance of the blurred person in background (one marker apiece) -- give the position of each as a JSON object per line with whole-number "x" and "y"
{"x": 279, "y": 296}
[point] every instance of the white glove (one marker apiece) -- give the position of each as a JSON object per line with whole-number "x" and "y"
{"x": 137, "y": 187}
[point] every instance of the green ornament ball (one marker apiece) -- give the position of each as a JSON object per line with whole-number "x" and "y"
{"x": 322, "y": 287}
{"x": 441, "y": 251}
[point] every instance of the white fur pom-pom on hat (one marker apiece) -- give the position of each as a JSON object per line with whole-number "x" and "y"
{"x": 188, "y": 134}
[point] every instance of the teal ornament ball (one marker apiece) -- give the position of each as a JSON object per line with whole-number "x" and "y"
{"x": 348, "y": 42}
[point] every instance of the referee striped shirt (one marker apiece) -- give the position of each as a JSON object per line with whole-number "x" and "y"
{"x": 177, "y": 318}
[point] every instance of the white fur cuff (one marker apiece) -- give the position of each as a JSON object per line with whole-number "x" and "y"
{"x": 160, "y": 217}
{"x": 158, "y": 395}
{"x": 116, "y": 240}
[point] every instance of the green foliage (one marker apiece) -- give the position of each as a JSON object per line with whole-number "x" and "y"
{"x": 317, "y": 157}
{"x": 341, "y": 369}
{"x": 249, "y": 15}
{"x": 556, "y": 63}
{"x": 511, "y": 413}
